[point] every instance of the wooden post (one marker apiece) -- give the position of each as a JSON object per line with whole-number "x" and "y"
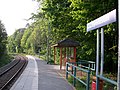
{"x": 65, "y": 52}
{"x": 60, "y": 58}
{"x": 65, "y": 60}
{"x": 68, "y": 52}
{"x": 74, "y": 54}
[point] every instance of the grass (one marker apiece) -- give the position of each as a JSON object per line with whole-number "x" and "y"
{"x": 108, "y": 86}
{"x": 79, "y": 86}
{"x": 42, "y": 57}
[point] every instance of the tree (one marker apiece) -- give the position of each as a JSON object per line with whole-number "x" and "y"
{"x": 60, "y": 19}
{"x": 24, "y": 39}
{"x": 69, "y": 18}
{"x": 3, "y": 40}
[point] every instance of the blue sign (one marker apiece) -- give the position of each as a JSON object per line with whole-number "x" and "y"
{"x": 102, "y": 21}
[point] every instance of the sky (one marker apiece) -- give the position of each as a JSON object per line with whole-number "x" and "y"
{"x": 14, "y": 13}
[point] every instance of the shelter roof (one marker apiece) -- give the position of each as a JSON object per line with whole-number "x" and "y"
{"x": 67, "y": 43}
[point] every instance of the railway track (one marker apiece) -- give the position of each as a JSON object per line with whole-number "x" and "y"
{"x": 10, "y": 72}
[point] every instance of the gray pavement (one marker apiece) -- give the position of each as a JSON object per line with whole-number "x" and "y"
{"x": 49, "y": 79}
{"x": 38, "y": 75}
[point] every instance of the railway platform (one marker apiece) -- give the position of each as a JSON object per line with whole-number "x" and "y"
{"x": 38, "y": 75}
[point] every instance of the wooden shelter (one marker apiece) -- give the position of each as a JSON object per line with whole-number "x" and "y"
{"x": 68, "y": 46}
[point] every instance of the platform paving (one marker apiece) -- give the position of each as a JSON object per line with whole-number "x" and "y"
{"x": 39, "y": 75}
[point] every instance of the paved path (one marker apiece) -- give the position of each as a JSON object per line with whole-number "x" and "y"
{"x": 40, "y": 76}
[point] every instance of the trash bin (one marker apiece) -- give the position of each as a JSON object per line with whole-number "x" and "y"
{"x": 94, "y": 84}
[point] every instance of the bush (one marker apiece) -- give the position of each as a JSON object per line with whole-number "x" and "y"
{"x": 5, "y": 59}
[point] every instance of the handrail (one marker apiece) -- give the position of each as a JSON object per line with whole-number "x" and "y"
{"x": 107, "y": 80}
{"x": 74, "y": 67}
{"x": 83, "y": 63}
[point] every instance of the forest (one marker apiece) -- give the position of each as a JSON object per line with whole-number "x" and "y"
{"x": 3, "y": 43}
{"x": 56, "y": 20}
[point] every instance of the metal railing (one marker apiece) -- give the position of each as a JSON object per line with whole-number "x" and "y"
{"x": 107, "y": 80}
{"x": 87, "y": 64}
{"x": 73, "y": 73}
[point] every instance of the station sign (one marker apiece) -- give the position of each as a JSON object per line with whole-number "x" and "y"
{"x": 102, "y": 21}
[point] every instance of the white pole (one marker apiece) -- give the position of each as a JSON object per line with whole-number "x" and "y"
{"x": 102, "y": 51}
{"x": 97, "y": 60}
{"x": 97, "y": 53}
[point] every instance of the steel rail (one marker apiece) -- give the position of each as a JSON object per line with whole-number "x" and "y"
{"x": 24, "y": 63}
{"x": 2, "y": 73}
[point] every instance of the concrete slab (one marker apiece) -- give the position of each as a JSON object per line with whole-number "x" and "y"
{"x": 49, "y": 79}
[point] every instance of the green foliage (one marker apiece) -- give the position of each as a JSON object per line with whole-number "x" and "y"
{"x": 14, "y": 41}
{"x": 108, "y": 86}
{"x": 68, "y": 19}
{"x": 3, "y": 40}
{"x": 79, "y": 86}
{"x": 30, "y": 40}
{"x": 25, "y": 36}
{"x": 5, "y": 59}
{"x": 60, "y": 19}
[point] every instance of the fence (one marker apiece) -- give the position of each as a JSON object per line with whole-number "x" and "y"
{"x": 84, "y": 66}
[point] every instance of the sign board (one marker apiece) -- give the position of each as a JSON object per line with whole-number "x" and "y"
{"x": 102, "y": 21}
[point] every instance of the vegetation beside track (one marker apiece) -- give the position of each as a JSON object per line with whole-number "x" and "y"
{"x": 5, "y": 59}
